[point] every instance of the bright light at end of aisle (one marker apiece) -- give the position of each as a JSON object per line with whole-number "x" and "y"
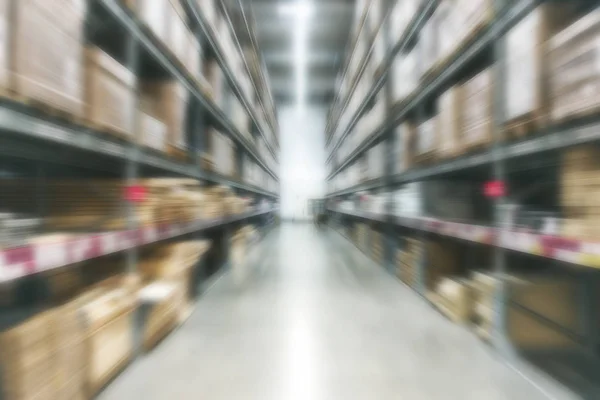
{"x": 301, "y": 11}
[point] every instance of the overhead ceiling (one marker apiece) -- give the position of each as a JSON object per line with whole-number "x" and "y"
{"x": 328, "y": 30}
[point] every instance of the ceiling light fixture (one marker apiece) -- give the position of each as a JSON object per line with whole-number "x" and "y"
{"x": 301, "y": 10}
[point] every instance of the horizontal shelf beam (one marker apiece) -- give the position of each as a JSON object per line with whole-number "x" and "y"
{"x": 27, "y": 260}
{"x": 83, "y": 139}
{"x": 506, "y": 21}
{"x": 117, "y": 9}
{"x": 571, "y": 251}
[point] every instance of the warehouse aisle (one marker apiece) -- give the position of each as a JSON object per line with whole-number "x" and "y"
{"x": 316, "y": 320}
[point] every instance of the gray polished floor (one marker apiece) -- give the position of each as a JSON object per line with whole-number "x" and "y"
{"x": 314, "y": 319}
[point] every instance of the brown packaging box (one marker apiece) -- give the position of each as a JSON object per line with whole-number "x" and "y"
{"x": 47, "y": 58}
{"x": 477, "y": 110}
{"x": 526, "y": 66}
{"x": 110, "y": 95}
{"x": 178, "y": 40}
{"x": 450, "y": 122}
{"x": 168, "y": 101}
{"x": 574, "y": 74}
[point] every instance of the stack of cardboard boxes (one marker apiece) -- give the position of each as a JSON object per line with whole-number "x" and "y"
{"x": 170, "y": 266}
{"x": 407, "y": 261}
{"x": 580, "y": 188}
{"x": 573, "y": 73}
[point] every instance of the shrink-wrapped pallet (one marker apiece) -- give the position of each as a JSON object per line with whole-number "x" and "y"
{"x": 405, "y": 75}
{"x": 222, "y": 151}
{"x": 154, "y": 13}
{"x": 526, "y": 62}
{"x": 110, "y": 94}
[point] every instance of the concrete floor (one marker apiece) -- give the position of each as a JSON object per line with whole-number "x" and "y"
{"x": 316, "y": 320}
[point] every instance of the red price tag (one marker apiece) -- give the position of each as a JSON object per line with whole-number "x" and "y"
{"x": 135, "y": 193}
{"x": 494, "y": 189}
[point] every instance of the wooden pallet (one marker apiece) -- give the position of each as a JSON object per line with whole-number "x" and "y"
{"x": 50, "y": 110}
{"x": 425, "y": 158}
{"x": 177, "y": 153}
{"x": 468, "y": 40}
{"x": 582, "y": 113}
{"x": 524, "y": 126}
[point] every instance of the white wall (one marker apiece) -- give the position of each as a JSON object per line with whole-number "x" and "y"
{"x": 302, "y": 159}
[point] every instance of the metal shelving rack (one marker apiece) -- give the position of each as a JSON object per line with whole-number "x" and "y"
{"x": 567, "y": 255}
{"x": 34, "y": 138}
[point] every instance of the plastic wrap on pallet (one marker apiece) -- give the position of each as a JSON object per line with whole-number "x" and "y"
{"x": 152, "y": 132}
{"x": 526, "y": 91}
{"x": 402, "y": 13}
{"x": 110, "y": 94}
{"x": 405, "y": 75}
{"x": 450, "y": 122}
{"x": 427, "y": 140}
{"x": 477, "y": 109}
{"x": 154, "y": 13}
{"x": 47, "y": 53}
{"x": 574, "y": 69}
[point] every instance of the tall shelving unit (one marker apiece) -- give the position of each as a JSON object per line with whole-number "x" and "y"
{"x": 36, "y": 141}
{"x": 42, "y": 146}
{"x": 492, "y": 241}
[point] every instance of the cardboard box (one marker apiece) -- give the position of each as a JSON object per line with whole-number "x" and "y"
{"x": 216, "y": 79}
{"x": 574, "y": 74}
{"x": 48, "y": 54}
{"x": 527, "y": 95}
{"x": 168, "y": 101}
{"x": 152, "y": 132}
{"x": 110, "y": 94}
{"x": 450, "y": 122}
{"x": 455, "y": 299}
{"x": 477, "y": 110}
{"x": 405, "y": 75}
